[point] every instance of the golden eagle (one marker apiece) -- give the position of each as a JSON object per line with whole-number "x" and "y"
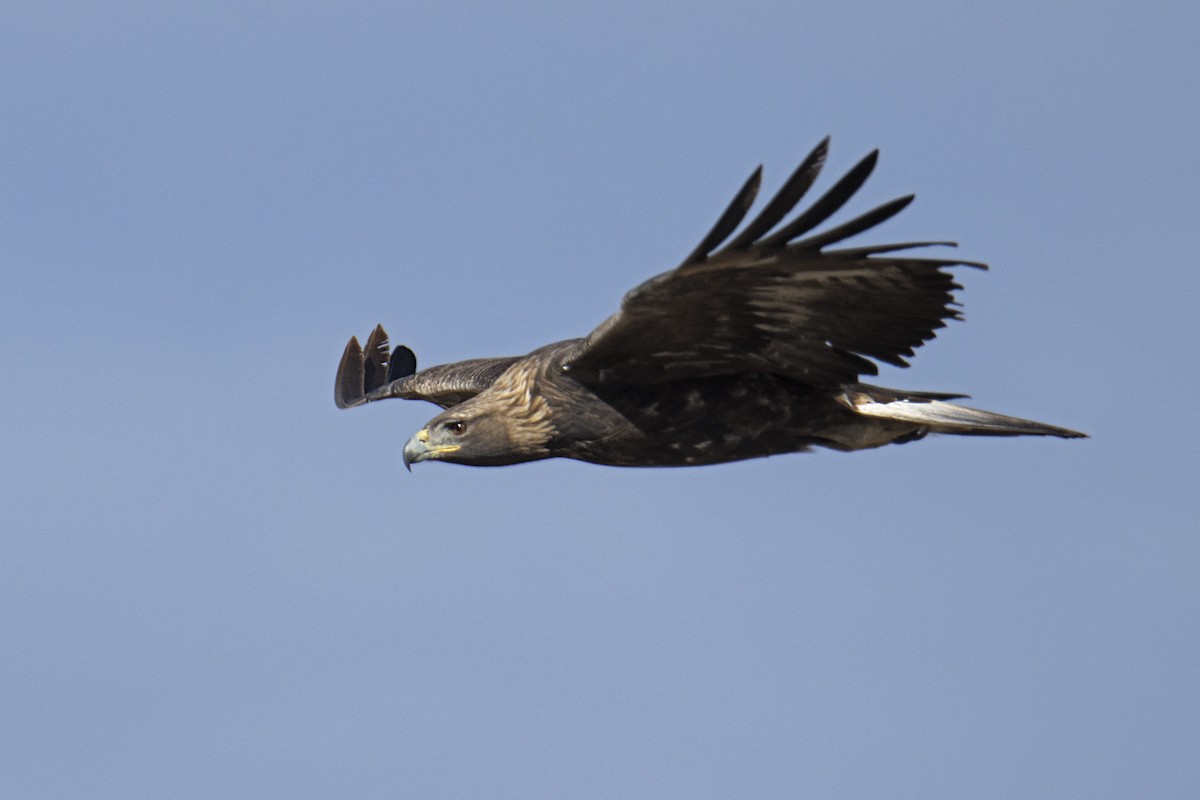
{"x": 747, "y": 351}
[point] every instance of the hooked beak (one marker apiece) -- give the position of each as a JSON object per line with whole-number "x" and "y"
{"x": 418, "y": 449}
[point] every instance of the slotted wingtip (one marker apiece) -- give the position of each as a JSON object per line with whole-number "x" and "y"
{"x": 368, "y": 372}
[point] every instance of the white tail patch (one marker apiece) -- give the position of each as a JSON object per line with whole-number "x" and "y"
{"x": 942, "y": 417}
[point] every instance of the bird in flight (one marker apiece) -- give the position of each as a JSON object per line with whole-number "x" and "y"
{"x": 752, "y": 346}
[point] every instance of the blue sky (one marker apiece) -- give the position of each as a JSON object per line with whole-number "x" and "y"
{"x": 215, "y": 584}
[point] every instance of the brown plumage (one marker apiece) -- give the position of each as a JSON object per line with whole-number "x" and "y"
{"x": 747, "y": 351}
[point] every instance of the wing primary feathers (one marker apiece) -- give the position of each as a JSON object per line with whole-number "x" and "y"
{"x": 785, "y": 199}
{"x": 926, "y": 262}
{"x": 402, "y": 363}
{"x": 876, "y": 249}
{"x": 828, "y": 205}
{"x": 364, "y": 369}
{"x": 729, "y": 220}
{"x": 375, "y": 356}
{"x": 857, "y": 225}
{"x": 348, "y": 386}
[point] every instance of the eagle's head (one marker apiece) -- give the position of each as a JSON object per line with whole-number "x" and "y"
{"x": 461, "y": 438}
{"x": 489, "y": 430}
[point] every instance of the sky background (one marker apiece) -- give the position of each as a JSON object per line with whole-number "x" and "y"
{"x": 215, "y": 584}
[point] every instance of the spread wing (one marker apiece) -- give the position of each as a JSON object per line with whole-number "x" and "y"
{"x": 371, "y": 372}
{"x": 776, "y": 302}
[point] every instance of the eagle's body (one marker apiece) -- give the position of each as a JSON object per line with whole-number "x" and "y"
{"x": 685, "y": 422}
{"x": 751, "y": 351}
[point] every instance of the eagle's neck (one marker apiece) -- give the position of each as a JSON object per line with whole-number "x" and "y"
{"x": 516, "y": 399}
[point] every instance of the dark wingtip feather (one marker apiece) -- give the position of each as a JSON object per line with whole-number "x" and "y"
{"x": 375, "y": 357}
{"x": 728, "y": 222}
{"x": 402, "y": 363}
{"x": 857, "y": 225}
{"x": 827, "y": 205}
{"x": 348, "y": 385}
{"x": 785, "y": 199}
{"x": 878, "y": 249}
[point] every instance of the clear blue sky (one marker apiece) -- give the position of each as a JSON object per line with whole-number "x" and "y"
{"x": 215, "y": 584}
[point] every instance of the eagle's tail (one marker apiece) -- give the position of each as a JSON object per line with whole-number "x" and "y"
{"x": 937, "y": 416}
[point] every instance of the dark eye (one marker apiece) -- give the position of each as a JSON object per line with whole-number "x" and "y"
{"x": 455, "y": 426}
